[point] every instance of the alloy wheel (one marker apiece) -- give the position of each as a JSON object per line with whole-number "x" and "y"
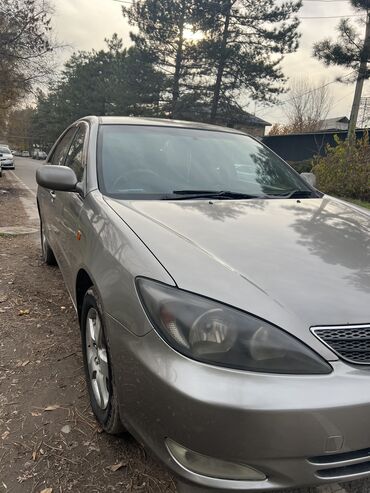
{"x": 97, "y": 359}
{"x": 43, "y": 241}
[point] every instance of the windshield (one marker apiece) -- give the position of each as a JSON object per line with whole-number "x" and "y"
{"x": 4, "y": 150}
{"x": 163, "y": 162}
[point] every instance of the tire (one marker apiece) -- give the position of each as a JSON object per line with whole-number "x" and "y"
{"x": 97, "y": 362}
{"x": 47, "y": 253}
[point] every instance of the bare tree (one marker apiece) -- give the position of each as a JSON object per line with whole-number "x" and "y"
{"x": 25, "y": 48}
{"x": 307, "y": 105}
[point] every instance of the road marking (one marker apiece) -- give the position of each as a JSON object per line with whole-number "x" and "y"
{"x": 29, "y": 204}
{"x": 22, "y": 183}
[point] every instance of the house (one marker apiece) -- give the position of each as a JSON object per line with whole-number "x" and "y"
{"x": 236, "y": 117}
{"x": 333, "y": 124}
{"x": 228, "y": 115}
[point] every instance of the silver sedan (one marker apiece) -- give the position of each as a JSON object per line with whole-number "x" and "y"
{"x": 6, "y": 158}
{"x": 224, "y": 314}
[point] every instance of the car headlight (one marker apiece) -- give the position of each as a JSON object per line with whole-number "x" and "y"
{"x": 214, "y": 333}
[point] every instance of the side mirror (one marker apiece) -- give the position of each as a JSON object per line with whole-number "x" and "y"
{"x": 59, "y": 178}
{"x": 310, "y": 178}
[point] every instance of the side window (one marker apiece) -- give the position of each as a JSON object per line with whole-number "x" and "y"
{"x": 74, "y": 156}
{"x": 61, "y": 149}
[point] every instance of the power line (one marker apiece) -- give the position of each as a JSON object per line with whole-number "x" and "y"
{"x": 330, "y": 16}
{"x": 317, "y": 88}
{"x": 341, "y": 99}
{"x": 128, "y": 2}
{"x": 325, "y": 1}
{"x": 280, "y": 103}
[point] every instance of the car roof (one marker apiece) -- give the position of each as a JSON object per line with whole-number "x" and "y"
{"x": 157, "y": 122}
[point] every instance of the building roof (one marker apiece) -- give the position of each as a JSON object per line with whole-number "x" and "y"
{"x": 228, "y": 114}
{"x": 233, "y": 113}
{"x": 332, "y": 122}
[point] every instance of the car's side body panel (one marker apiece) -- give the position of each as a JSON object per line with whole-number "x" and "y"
{"x": 113, "y": 255}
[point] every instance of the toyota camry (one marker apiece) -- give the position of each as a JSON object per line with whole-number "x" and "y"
{"x": 224, "y": 303}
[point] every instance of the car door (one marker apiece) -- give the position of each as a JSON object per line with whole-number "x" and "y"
{"x": 70, "y": 208}
{"x": 49, "y": 199}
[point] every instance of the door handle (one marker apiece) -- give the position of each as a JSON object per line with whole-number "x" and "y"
{"x": 52, "y": 194}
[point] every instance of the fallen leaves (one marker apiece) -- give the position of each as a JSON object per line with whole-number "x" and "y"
{"x": 22, "y": 363}
{"x": 52, "y": 407}
{"x": 25, "y": 476}
{"x": 23, "y": 312}
{"x": 116, "y": 467}
{"x": 47, "y": 490}
{"x": 5, "y": 435}
{"x": 66, "y": 429}
{"x": 35, "y": 413}
{"x": 3, "y": 297}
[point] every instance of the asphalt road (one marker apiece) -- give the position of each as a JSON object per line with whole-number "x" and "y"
{"x": 25, "y": 170}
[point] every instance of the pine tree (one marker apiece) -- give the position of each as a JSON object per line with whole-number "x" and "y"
{"x": 162, "y": 27}
{"x": 244, "y": 46}
{"x": 351, "y": 50}
{"x": 114, "y": 81}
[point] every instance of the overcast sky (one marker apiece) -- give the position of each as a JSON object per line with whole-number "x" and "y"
{"x": 84, "y": 24}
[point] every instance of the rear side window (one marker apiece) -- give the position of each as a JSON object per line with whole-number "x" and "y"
{"x": 62, "y": 148}
{"x": 74, "y": 158}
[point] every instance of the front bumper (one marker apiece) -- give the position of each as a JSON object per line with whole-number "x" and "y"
{"x": 292, "y": 428}
{"x": 7, "y": 164}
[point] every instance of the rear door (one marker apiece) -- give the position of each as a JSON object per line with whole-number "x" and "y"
{"x": 49, "y": 200}
{"x": 70, "y": 208}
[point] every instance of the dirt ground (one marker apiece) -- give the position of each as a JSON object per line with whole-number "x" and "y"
{"x": 48, "y": 436}
{"x": 49, "y": 439}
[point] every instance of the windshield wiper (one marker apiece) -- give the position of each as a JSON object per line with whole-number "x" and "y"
{"x": 297, "y": 194}
{"x": 211, "y": 194}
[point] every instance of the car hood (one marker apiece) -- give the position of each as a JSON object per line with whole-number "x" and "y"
{"x": 294, "y": 262}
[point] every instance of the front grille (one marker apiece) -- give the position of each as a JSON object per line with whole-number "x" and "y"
{"x": 345, "y": 464}
{"x": 350, "y": 342}
{"x": 352, "y": 455}
{"x": 342, "y": 472}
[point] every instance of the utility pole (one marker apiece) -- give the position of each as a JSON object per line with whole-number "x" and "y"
{"x": 362, "y": 75}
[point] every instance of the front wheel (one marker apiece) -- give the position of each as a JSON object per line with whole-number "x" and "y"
{"x": 98, "y": 370}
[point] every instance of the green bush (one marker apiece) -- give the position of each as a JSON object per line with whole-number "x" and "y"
{"x": 345, "y": 169}
{"x": 302, "y": 166}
